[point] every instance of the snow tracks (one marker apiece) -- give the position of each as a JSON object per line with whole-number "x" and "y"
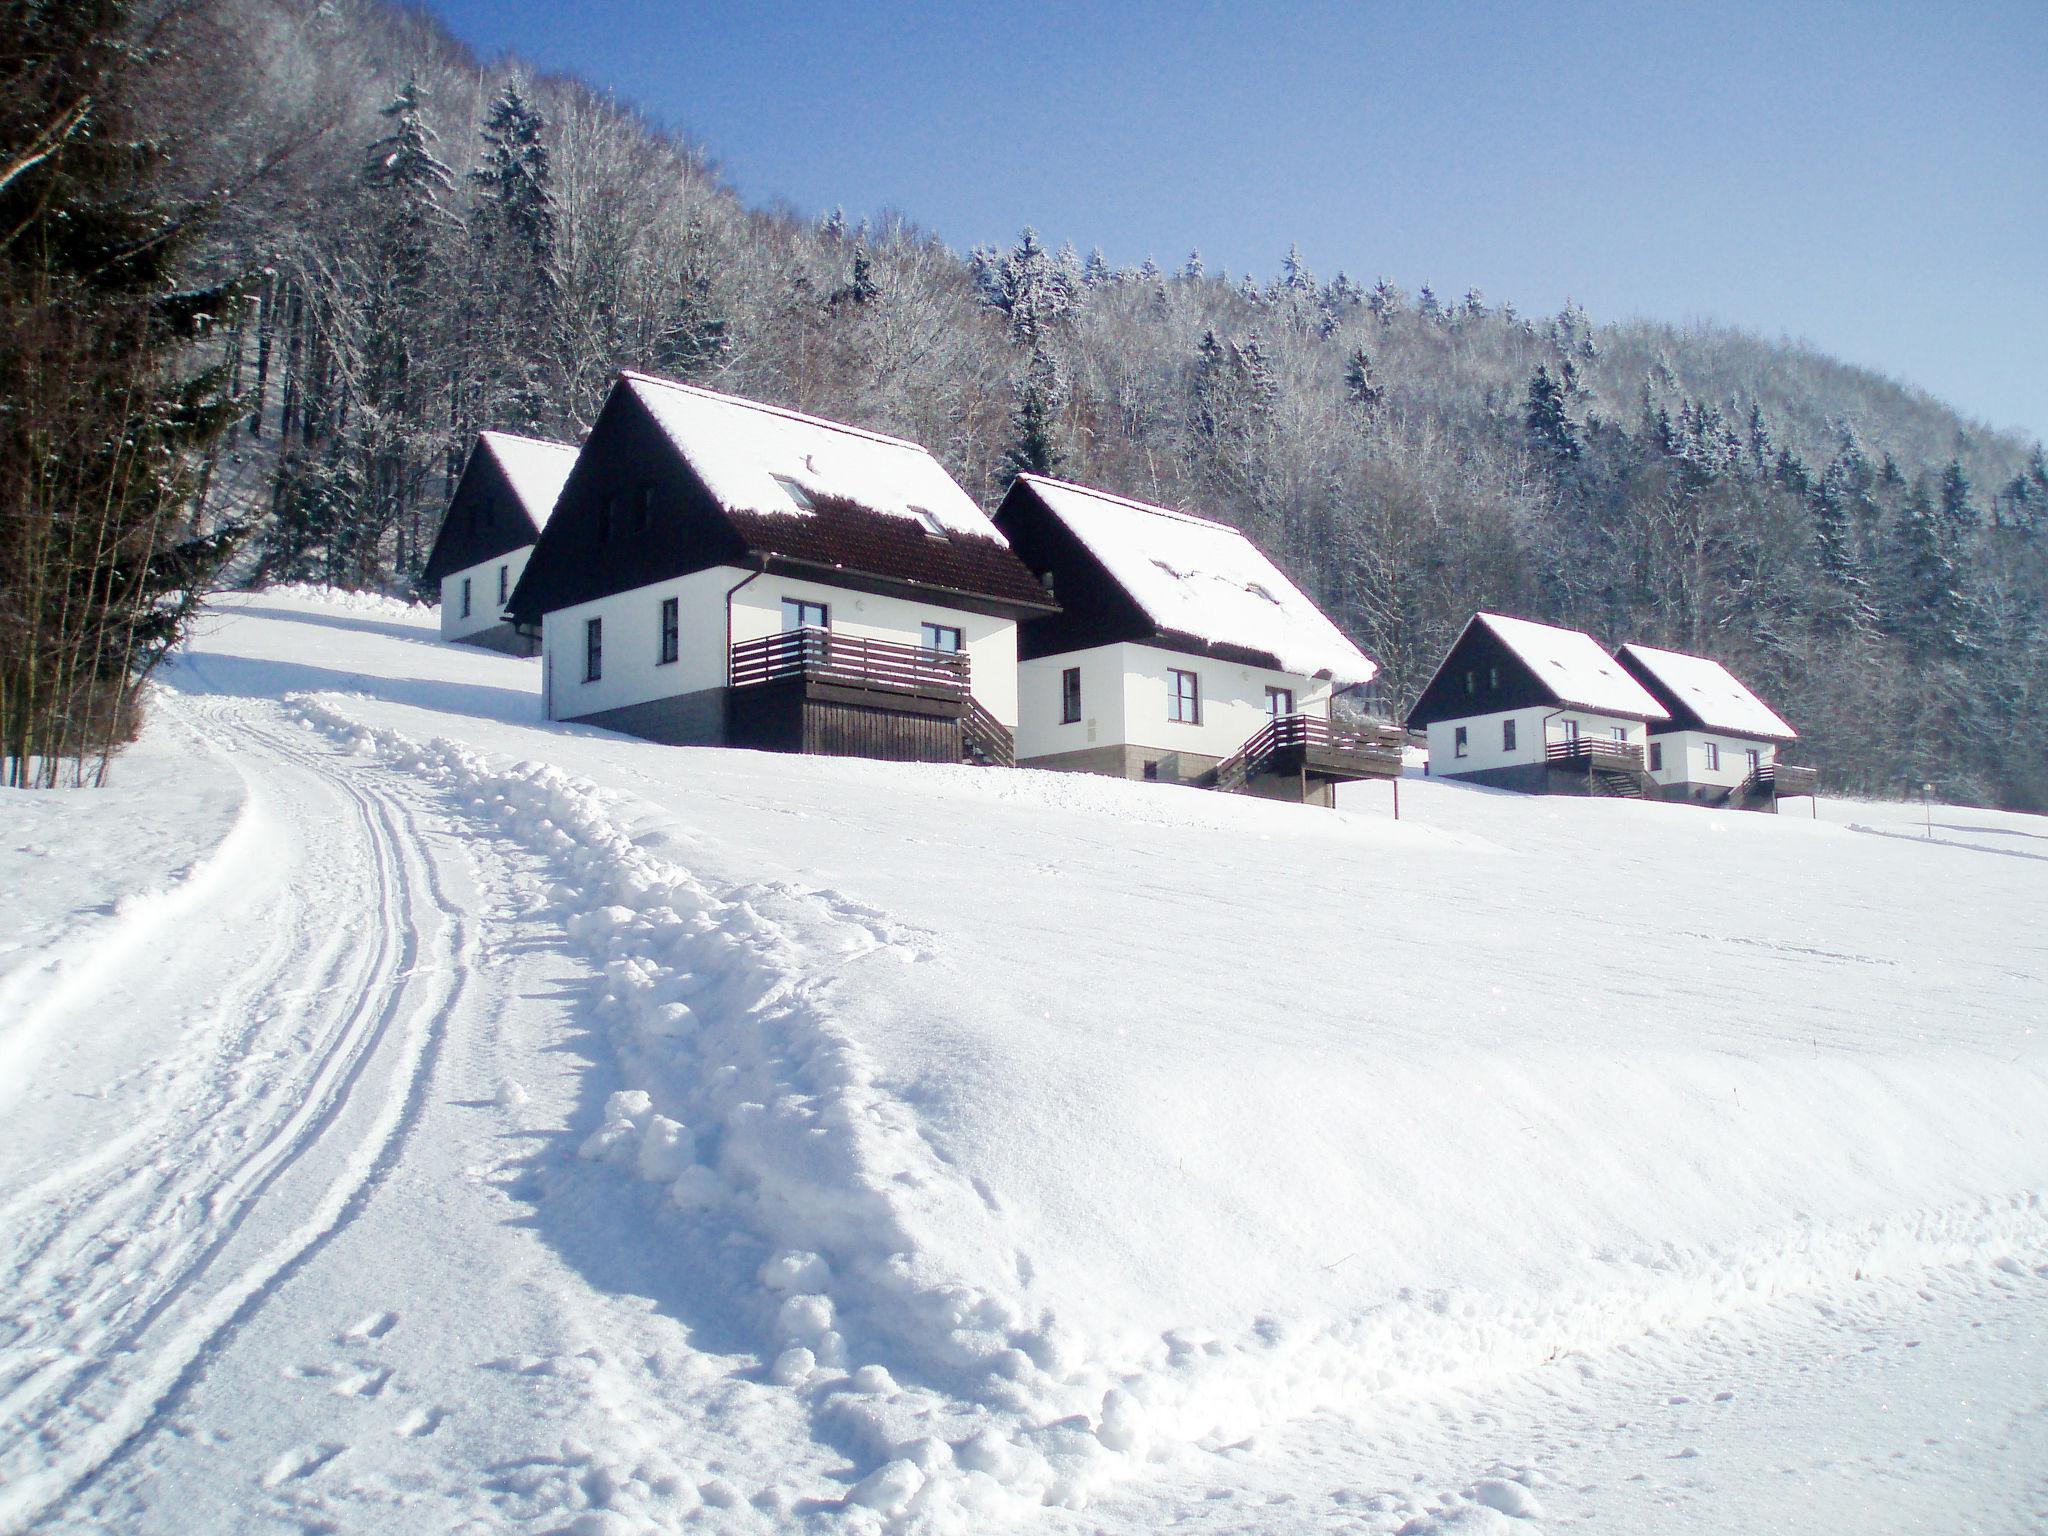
{"x": 330, "y": 968}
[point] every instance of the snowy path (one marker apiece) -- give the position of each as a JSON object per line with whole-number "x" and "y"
{"x": 260, "y": 1131}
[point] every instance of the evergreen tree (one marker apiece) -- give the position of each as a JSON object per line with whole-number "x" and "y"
{"x": 1550, "y": 428}
{"x": 1095, "y": 272}
{"x": 104, "y": 420}
{"x": 1426, "y": 304}
{"x": 1034, "y": 446}
{"x": 1386, "y": 302}
{"x": 1360, "y": 387}
{"x": 1192, "y": 271}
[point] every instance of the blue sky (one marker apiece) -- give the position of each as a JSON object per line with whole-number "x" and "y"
{"x": 1873, "y": 177}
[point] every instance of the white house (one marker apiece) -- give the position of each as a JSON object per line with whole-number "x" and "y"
{"x": 1521, "y": 705}
{"x": 724, "y": 572}
{"x": 1179, "y": 652}
{"x": 501, "y": 503}
{"x": 1722, "y": 744}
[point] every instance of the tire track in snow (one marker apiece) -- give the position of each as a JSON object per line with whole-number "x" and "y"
{"x": 106, "y": 1390}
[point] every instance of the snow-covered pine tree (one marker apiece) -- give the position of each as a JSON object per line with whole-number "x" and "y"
{"x": 1551, "y": 430}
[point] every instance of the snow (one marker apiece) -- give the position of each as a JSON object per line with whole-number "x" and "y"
{"x": 738, "y": 448}
{"x": 1712, "y": 692}
{"x": 535, "y": 468}
{"x": 1193, "y": 576}
{"x": 544, "y": 1130}
{"x": 1574, "y": 667}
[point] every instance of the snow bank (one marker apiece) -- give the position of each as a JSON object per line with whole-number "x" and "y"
{"x": 341, "y": 597}
{"x": 1038, "y": 1212}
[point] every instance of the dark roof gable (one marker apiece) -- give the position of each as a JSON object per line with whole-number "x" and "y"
{"x": 485, "y": 517}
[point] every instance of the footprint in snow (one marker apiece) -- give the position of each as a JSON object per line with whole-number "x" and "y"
{"x": 375, "y": 1326}
{"x": 420, "y": 1423}
{"x": 301, "y": 1463}
{"x": 370, "y": 1383}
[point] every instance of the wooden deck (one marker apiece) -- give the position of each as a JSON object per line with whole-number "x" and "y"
{"x": 813, "y": 691}
{"x": 1305, "y": 747}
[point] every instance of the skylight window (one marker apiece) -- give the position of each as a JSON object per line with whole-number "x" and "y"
{"x": 932, "y": 526}
{"x": 796, "y": 494}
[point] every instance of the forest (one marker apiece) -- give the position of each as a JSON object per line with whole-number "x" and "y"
{"x": 406, "y": 245}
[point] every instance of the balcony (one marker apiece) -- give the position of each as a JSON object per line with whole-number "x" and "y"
{"x": 821, "y": 658}
{"x": 1591, "y": 752}
{"x": 1779, "y": 781}
{"x": 813, "y": 691}
{"x": 1306, "y": 746}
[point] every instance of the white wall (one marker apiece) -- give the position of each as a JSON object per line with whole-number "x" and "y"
{"x": 1041, "y": 732}
{"x": 633, "y": 670}
{"x": 634, "y": 673}
{"x": 1535, "y": 728}
{"x": 485, "y": 611}
{"x": 1685, "y": 757}
{"x": 1124, "y": 693}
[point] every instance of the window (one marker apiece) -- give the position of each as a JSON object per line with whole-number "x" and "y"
{"x": 1152, "y": 769}
{"x": 504, "y": 584}
{"x": 465, "y": 597}
{"x": 795, "y": 492}
{"x": 593, "y": 650}
{"x": 1471, "y": 682}
{"x": 941, "y": 637}
{"x": 933, "y": 528}
{"x": 1756, "y": 761}
{"x": 1460, "y": 741}
{"x": 1279, "y": 701}
{"x": 1070, "y": 696}
{"x": 646, "y": 508}
{"x": 1493, "y": 677}
{"x": 799, "y": 614}
{"x": 1183, "y": 697}
{"x": 1713, "y": 756}
{"x": 1570, "y": 728}
{"x": 671, "y": 625}
{"x": 1618, "y": 732}
{"x": 1656, "y": 757}
{"x": 1507, "y": 735}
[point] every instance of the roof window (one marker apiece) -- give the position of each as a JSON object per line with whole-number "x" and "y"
{"x": 933, "y": 528}
{"x": 796, "y": 494}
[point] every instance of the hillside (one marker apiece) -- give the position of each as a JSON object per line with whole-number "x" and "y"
{"x": 426, "y": 1117}
{"x": 444, "y": 245}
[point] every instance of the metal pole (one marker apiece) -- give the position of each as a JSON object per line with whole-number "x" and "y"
{"x": 1397, "y": 797}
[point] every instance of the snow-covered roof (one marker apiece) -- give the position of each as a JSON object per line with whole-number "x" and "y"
{"x": 1571, "y": 664}
{"x": 535, "y": 469}
{"x": 1713, "y": 693}
{"x": 1205, "y": 580}
{"x": 742, "y": 450}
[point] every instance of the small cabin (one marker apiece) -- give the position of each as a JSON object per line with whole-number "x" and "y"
{"x": 1179, "y": 653}
{"x": 1722, "y": 745}
{"x": 721, "y": 572}
{"x": 1532, "y": 707}
{"x": 501, "y": 503}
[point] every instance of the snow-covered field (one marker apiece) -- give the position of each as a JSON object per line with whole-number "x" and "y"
{"x": 421, "y": 1117}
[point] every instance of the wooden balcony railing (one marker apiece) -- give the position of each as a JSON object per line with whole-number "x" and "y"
{"x": 985, "y": 739}
{"x": 1782, "y": 780}
{"x": 1594, "y": 752}
{"x": 1373, "y": 750}
{"x": 820, "y": 656}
